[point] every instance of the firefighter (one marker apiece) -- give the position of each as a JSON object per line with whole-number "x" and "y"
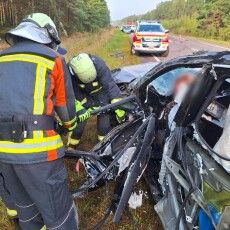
{"x": 35, "y": 83}
{"x": 7, "y": 199}
{"x": 94, "y": 87}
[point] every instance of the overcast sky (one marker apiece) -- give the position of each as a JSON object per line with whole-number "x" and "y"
{"x": 123, "y": 8}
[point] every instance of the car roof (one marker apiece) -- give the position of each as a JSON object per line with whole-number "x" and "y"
{"x": 197, "y": 60}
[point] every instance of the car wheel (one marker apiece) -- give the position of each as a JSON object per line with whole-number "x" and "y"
{"x": 166, "y": 53}
{"x": 133, "y": 51}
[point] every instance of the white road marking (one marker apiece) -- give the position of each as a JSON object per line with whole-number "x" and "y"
{"x": 156, "y": 58}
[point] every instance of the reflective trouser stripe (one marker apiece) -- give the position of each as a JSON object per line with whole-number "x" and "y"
{"x": 35, "y": 145}
{"x": 82, "y": 86}
{"x": 95, "y": 83}
{"x": 96, "y": 90}
{"x": 100, "y": 138}
{"x": 74, "y": 141}
{"x": 39, "y": 92}
{"x": 84, "y": 101}
{"x": 28, "y": 58}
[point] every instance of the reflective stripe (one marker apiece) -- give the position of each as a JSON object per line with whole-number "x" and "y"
{"x": 96, "y": 90}
{"x": 11, "y": 213}
{"x": 100, "y": 138}
{"x": 84, "y": 101}
{"x": 39, "y": 92}
{"x": 35, "y": 145}
{"x": 74, "y": 141}
{"x": 95, "y": 83}
{"x": 73, "y": 127}
{"x": 68, "y": 123}
{"x": 116, "y": 100}
{"x": 28, "y": 58}
{"x": 82, "y": 86}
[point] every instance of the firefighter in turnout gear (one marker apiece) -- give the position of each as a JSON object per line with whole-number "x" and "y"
{"x": 94, "y": 87}
{"x": 36, "y": 84}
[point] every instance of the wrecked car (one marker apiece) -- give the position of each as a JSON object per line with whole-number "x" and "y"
{"x": 178, "y": 142}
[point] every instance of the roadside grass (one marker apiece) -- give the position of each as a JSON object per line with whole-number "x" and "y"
{"x": 92, "y": 206}
{"x": 116, "y": 52}
{"x": 111, "y": 45}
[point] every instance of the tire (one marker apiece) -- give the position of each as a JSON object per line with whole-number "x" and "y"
{"x": 133, "y": 51}
{"x": 166, "y": 53}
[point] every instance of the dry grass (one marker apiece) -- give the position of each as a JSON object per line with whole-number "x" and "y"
{"x": 86, "y": 42}
{"x": 3, "y": 45}
{"x": 106, "y": 44}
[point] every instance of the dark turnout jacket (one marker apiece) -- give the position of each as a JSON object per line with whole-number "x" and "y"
{"x": 34, "y": 80}
{"x": 102, "y": 90}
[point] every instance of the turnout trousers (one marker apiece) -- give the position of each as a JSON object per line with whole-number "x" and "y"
{"x": 41, "y": 195}
{"x": 5, "y": 195}
{"x": 103, "y": 127}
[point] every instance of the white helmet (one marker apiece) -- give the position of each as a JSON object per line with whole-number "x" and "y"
{"x": 37, "y": 27}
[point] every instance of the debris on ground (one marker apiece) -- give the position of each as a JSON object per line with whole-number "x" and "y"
{"x": 117, "y": 54}
{"x": 135, "y": 200}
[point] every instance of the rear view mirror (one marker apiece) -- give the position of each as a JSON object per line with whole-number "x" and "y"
{"x": 166, "y": 31}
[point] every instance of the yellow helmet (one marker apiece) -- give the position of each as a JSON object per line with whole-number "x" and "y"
{"x": 83, "y": 67}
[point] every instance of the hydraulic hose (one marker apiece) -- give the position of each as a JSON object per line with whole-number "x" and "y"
{"x": 113, "y": 106}
{"x": 72, "y": 154}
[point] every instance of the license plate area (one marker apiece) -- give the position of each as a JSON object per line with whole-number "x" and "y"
{"x": 151, "y": 44}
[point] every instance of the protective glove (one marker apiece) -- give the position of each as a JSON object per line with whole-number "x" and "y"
{"x": 82, "y": 113}
{"x": 84, "y": 116}
{"x": 120, "y": 113}
{"x": 62, "y": 128}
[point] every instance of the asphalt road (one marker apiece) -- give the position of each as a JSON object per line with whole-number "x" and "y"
{"x": 180, "y": 46}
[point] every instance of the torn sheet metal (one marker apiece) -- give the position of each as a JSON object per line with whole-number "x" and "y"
{"x": 125, "y": 160}
{"x": 222, "y": 147}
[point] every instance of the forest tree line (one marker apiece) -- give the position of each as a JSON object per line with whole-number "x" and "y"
{"x": 204, "y": 18}
{"x": 69, "y": 16}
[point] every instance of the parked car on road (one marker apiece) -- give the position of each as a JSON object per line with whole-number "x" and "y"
{"x": 150, "y": 37}
{"x": 133, "y": 27}
{"x": 127, "y": 29}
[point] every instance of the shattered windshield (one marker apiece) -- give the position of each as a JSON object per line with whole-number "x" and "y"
{"x": 165, "y": 83}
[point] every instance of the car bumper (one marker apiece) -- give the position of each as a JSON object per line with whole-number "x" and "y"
{"x": 140, "y": 48}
